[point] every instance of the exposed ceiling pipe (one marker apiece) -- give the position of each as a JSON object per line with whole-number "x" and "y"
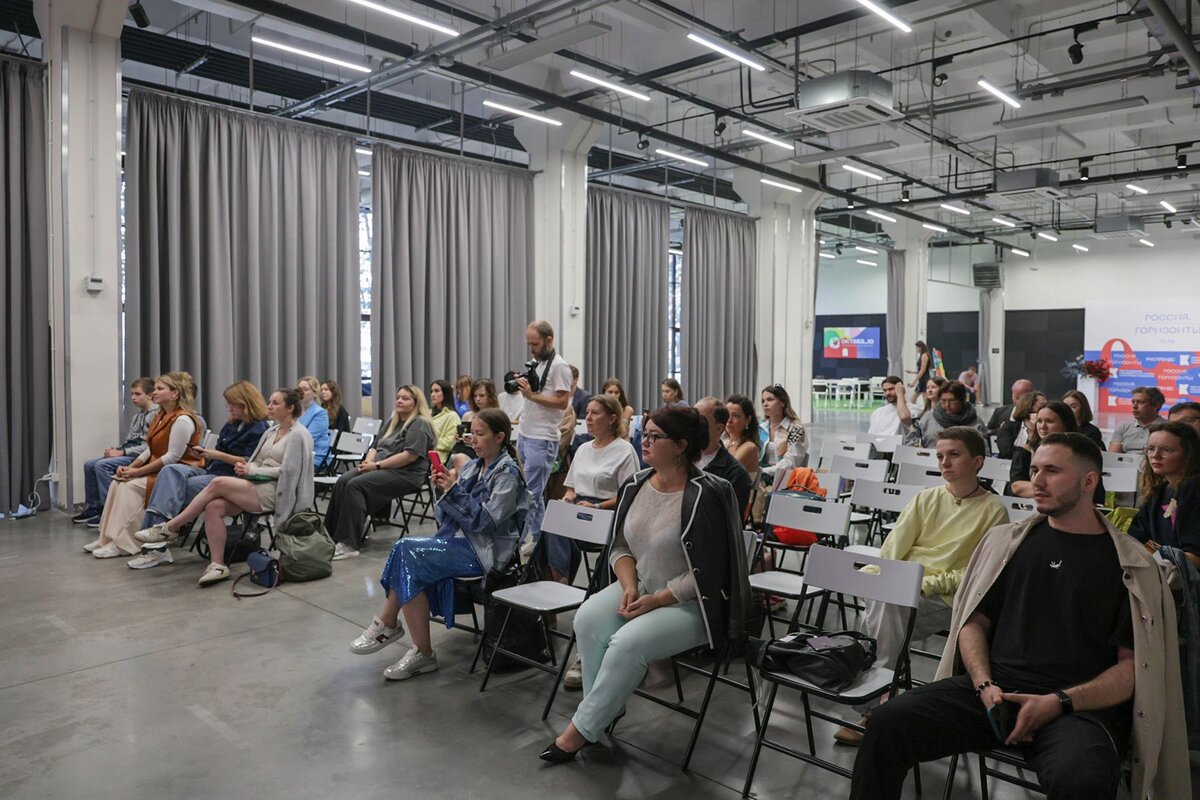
{"x": 1176, "y": 33}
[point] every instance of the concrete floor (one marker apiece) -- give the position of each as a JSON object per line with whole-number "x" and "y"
{"x": 124, "y": 684}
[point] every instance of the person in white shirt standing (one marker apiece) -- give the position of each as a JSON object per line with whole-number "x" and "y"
{"x": 537, "y": 443}
{"x": 896, "y": 415}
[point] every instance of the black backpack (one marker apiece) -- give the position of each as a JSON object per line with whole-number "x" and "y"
{"x": 523, "y": 634}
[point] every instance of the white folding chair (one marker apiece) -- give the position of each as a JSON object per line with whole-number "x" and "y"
{"x": 847, "y": 388}
{"x": 877, "y": 388}
{"x": 541, "y": 598}
{"x": 917, "y": 475}
{"x": 880, "y": 498}
{"x": 1122, "y": 460}
{"x": 833, "y": 447}
{"x": 1018, "y": 508}
{"x": 820, "y": 389}
{"x": 352, "y": 448}
{"x": 996, "y": 470}
{"x": 921, "y": 456}
{"x": 209, "y": 441}
{"x": 366, "y": 425}
{"x": 831, "y": 482}
{"x": 834, "y": 571}
{"x": 882, "y": 444}
{"x": 1120, "y": 479}
{"x": 855, "y": 469}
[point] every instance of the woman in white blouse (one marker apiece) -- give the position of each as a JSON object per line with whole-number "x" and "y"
{"x": 787, "y": 445}
{"x": 604, "y": 463}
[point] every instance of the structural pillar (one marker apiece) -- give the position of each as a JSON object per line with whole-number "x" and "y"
{"x": 559, "y": 156}
{"x": 910, "y": 237}
{"x": 993, "y": 389}
{"x": 786, "y": 281}
{"x": 82, "y": 51}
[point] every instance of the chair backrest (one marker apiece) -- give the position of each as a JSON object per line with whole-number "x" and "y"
{"x": 367, "y": 425}
{"x": 858, "y": 450}
{"x": 831, "y": 482}
{"x": 898, "y": 582}
{"x": 358, "y": 443}
{"x": 884, "y": 496}
{"x": 1122, "y": 459}
{"x": 920, "y": 476}
{"x": 580, "y": 523}
{"x": 996, "y": 469}
{"x": 882, "y": 444}
{"x": 1120, "y": 479}
{"x": 818, "y": 516}
{"x": 860, "y": 469}
{"x": 750, "y": 539}
{"x": 209, "y": 441}
{"x": 922, "y": 456}
{"x": 1019, "y": 508}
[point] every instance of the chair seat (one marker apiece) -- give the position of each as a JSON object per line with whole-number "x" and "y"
{"x": 858, "y": 518}
{"x": 349, "y": 457}
{"x": 889, "y": 526}
{"x": 865, "y": 549}
{"x": 873, "y": 682}
{"x": 325, "y": 480}
{"x": 543, "y": 597}
{"x": 784, "y": 584}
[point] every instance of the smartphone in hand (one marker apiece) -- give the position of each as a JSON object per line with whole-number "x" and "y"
{"x": 1002, "y": 718}
{"x": 435, "y": 459}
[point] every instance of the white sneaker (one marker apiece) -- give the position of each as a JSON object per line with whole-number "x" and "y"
{"x": 214, "y": 574}
{"x": 376, "y": 637}
{"x": 152, "y": 558}
{"x": 342, "y": 552}
{"x": 573, "y": 677}
{"x": 156, "y": 533}
{"x": 109, "y": 550}
{"x": 413, "y": 663}
{"x": 91, "y": 546}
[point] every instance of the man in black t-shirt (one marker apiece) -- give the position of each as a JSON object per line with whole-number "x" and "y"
{"x": 1047, "y": 649}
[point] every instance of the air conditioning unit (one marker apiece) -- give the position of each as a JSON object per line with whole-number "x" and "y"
{"x": 845, "y": 100}
{"x": 986, "y": 275}
{"x": 1119, "y": 227}
{"x": 1025, "y": 185}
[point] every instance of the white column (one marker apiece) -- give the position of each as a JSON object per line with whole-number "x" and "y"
{"x": 559, "y": 155}
{"x": 994, "y": 391}
{"x": 910, "y": 237}
{"x": 82, "y": 50}
{"x": 786, "y": 285}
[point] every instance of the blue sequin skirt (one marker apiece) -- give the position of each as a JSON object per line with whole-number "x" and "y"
{"x": 430, "y": 565}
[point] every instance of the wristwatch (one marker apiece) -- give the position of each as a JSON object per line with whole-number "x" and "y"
{"x": 1064, "y": 699}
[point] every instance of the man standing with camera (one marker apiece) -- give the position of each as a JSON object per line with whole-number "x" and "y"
{"x": 545, "y": 383}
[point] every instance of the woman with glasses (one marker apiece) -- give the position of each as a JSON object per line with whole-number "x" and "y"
{"x": 1170, "y": 516}
{"x": 787, "y": 446}
{"x": 952, "y": 409}
{"x": 679, "y": 561}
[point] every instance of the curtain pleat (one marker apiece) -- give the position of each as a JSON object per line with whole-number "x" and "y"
{"x": 895, "y": 312}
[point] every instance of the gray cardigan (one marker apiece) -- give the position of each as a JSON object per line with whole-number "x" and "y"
{"x": 294, "y": 489}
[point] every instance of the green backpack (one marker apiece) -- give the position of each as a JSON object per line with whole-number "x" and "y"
{"x": 305, "y": 549}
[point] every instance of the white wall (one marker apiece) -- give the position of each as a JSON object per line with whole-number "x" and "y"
{"x": 845, "y": 287}
{"x": 951, "y": 297}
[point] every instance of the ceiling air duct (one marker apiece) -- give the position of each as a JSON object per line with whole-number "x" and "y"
{"x": 986, "y": 275}
{"x": 845, "y": 100}
{"x": 1119, "y": 227}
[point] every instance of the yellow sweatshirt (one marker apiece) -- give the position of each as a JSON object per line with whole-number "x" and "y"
{"x": 937, "y": 531}
{"x": 445, "y": 428}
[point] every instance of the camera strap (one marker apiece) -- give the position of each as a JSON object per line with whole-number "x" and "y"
{"x": 546, "y": 371}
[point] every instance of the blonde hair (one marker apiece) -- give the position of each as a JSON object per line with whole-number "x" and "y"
{"x": 312, "y": 383}
{"x": 247, "y": 395}
{"x": 613, "y": 408}
{"x": 420, "y": 409}
{"x": 183, "y": 383}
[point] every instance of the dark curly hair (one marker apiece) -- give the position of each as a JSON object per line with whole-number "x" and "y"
{"x": 683, "y": 424}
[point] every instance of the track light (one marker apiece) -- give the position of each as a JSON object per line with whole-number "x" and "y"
{"x": 140, "y": 17}
{"x": 1075, "y": 53}
{"x": 905, "y": 195}
{"x": 940, "y": 79}
{"x": 642, "y": 143}
{"x": 1085, "y": 173}
{"x": 1181, "y": 161}
{"x": 720, "y": 127}
{"x": 838, "y": 249}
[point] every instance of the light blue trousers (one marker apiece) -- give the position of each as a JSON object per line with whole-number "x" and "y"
{"x": 175, "y": 487}
{"x": 616, "y": 651}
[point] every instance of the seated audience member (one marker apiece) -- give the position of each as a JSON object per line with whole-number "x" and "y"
{"x": 1131, "y": 436}
{"x": 1016, "y": 431}
{"x": 513, "y": 403}
{"x": 741, "y": 435}
{"x": 970, "y": 379}
{"x": 176, "y": 484}
{"x": 483, "y": 395}
{"x": 929, "y": 398}
{"x": 1078, "y": 403}
{"x": 98, "y": 472}
{"x": 1069, "y": 619}
{"x": 314, "y": 418}
{"x": 397, "y": 465}
{"x": 331, "y": 401}
{"x": 1187, "y": 413}
{"x": 679, "y": 559}
{"x": 480, "y": 516}
{"x": 172, "y": 434}
{"x": 1170, "y": 515}
{"x": 579, "y": 395}
{"x": 464, "y": 387}
{"x": 1054, "y": 417}
{"x": 444, "y": 418}
{"x": 938, "y": 529}
{"x": 952, "y": 410}
{"x": 715, "y": 458}
{"x": 615, "y": 389}
{"x": 1003, "y": 414}
{"x": 277, "y": 479}
{"x": 896, "y": 415}
{"x": 787, "y": 444}
{"x": 672, "y": 393}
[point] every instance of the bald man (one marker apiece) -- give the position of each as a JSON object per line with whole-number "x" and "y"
{"x": 1004, "y": 414}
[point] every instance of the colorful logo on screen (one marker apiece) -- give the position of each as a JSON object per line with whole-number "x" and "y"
{"x": 1175, "y": 373}
{"x": 852, "y": 343}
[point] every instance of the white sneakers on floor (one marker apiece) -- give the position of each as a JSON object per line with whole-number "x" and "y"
{"x": 214, "y": 574}
{"x": 412, "y": 664}
{"x": 573, "y": 677}
{"x": 342, "y": 552}
{"x": 376, "y": 637}
{"x": 155, "y": 534}
{"x": 151, "y": 558}
{"x": 91, "y": 547}
{"x": 109, "y": 550}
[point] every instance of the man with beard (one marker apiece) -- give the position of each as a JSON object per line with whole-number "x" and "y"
{"x": 896, "y": 415}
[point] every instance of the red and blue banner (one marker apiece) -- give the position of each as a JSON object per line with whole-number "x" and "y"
{"x": 851, "y": 343}
{"x": 1148, "y": 343}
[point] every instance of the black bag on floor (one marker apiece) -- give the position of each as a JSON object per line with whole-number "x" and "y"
{"x": 523, "y": 633}
{"x": 832, "y": 661}
{"x": 240, "y": 544}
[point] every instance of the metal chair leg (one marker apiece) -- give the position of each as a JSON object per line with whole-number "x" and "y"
{"x": 558, "y": 678}
{"x": 487, "y": 674}
{"x": 758, "y": 740}
{"x": 712, "y": 682}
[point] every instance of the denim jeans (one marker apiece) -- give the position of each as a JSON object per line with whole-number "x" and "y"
{"x": 97, "y": 475}
{"x": 537, "y": 459}
{"x": 175, "y": 487}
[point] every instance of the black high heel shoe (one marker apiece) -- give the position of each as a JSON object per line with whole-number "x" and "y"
{"x": 556, "y": 755}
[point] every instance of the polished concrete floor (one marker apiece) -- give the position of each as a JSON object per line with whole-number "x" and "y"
{"x": 124, "y": 684}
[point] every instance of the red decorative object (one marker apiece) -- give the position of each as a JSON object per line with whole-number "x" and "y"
{"x": 1099, "y": 369}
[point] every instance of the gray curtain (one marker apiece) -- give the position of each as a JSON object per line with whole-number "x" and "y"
{"x": 717, "y": 337}
{"x": 626, "y": 299}
{"x": 985, "y": 345}
{"x": 450, "y": 261}
{"x": 26, "y": 430}
{"x": 241, "y": 249}
{"x": 895, "y": 312}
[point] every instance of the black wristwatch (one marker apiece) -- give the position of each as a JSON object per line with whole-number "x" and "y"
{"x": 1065, "y": 701}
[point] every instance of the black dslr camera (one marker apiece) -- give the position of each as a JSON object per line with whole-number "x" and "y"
{"x": 529, "y": 374}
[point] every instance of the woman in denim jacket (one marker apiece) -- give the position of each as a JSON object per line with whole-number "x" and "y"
{"x": 480, "y": 518}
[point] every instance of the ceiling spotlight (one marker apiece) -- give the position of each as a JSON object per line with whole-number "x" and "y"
{"x": 1167, "y": 224}
{"x": 1167, "y": 206}
{"x": 838, "y": 249}
{"x": 1084, "y": 173}
{"x": 719, "y": 128}
{"x": 642, "y": 143}
{"x": 940, "y": 79}
{"x": 905, "y": 195}
{"x": 1075, "y": 53}
{"x": 140, "y": 17}
{"x": 1181, "y": 161}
